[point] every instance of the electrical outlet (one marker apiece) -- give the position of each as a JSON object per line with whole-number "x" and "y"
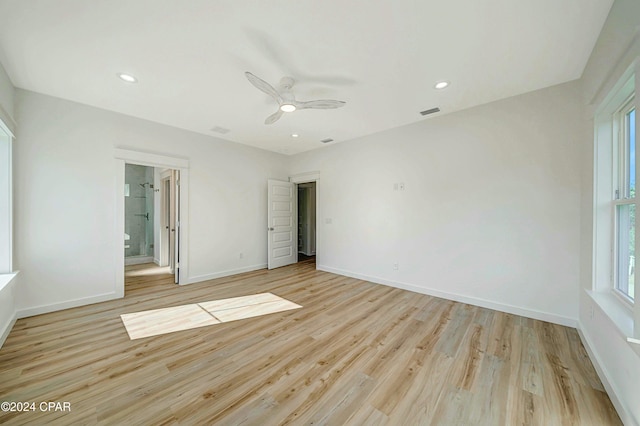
{"x": 401, "y": 186}
{"x": 396, "y": 266}
{"x": 241, "y": 255}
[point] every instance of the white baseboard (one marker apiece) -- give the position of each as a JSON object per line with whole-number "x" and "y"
{"x": 605, "y": 378}
{"x": 7, "y": 328}
{"x": 137, "y": 260}
{"x": 200, "y": 278}
{"x": 44, "y": 309}
{"x": 516, "y": 310}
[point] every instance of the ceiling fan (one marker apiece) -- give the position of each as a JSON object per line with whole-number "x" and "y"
{"x": 286, "y": 101}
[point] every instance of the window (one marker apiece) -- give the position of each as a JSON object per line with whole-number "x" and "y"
{"x": 614, "y": 196}
{"x": 624, "y": 202}
{"x": 5, "y": 200}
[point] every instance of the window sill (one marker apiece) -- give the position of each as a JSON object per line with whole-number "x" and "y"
{"x": 5, "y": 279}
{"x": 619, "y": 314}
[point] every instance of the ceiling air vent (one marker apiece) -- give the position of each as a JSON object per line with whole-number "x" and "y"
{"x": 219, "y": 129}
{"x": 430, "y": 111}
{"x": 326, "y": 140}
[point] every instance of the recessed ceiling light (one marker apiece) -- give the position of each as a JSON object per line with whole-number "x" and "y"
{"x": 287, "y": 108}
{"x": 294, "y": 135}
{"x": 441, "y": 85}
{"x": 127, "y": 77}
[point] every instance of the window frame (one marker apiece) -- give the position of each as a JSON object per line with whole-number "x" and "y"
{"x": 622, "y": 296}
{"x": 6, "y": 193}
{"x": 621, "y": 191}
{"x": 620, "y": 147}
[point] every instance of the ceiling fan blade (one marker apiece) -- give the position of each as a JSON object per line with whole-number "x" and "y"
{"x": 263, "y": 86}
{"x": 274, "y": 117}
{"x": 320, "y": 104}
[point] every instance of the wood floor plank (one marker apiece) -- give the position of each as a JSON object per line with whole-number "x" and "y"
{"x": 356, "y": 353}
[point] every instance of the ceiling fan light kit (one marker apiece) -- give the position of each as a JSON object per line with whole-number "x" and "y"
{"x": 285, "y": 99}
{"x": 287, "y": 107}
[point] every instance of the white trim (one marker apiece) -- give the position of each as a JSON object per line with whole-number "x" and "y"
{"x": 5, "y": 286}
{"x": 305, "y": 177}
{"x": 151, "y": 159}
{"x": 118, "y": 285}
{"x": 206, "y": 277}
{"x": 138, "y": 260}
{"x": 7, "y": 123}
{"x": 45, "y": 309}
{"x": 605, "y": 378}
{"x": 619, "y": 315}
{"x": 5, "y": 279}
{"x": 516, "y": 310}
{"x": 6, "y": 264}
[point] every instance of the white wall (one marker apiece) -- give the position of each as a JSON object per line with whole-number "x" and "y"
{"x": 490, "y": 212}
{"x": 619, "y": 366}
{"x": 65, "y": 198}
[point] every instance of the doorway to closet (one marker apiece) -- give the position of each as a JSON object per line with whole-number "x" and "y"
{"x": 307, "y": 222}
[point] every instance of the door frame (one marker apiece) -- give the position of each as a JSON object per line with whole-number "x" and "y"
{"x": 127, "y": 156}
{"x": 163, "y": 246}
{"x": 309, "y": 177}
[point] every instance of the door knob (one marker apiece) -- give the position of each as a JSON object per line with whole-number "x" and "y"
{"x": 272, "y": 229}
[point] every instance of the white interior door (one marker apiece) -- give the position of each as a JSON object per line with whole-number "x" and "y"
{"x": 165, "y": 221}
{"x": 281, "y": 219}
{"x": 176, "y": 178}
{"x": 171, "y": 230}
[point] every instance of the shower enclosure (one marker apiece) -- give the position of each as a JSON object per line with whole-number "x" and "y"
{"x": 138, "y": 214}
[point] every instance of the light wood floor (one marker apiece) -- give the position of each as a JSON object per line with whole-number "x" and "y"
{"x": 356, "y": 353}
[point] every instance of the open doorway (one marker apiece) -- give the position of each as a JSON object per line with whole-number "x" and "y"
{"x": 174, "y": 197}
{"x": 139, "y": 222}
{"x": 151, "y": 219}
{"x": 307, "y": 222}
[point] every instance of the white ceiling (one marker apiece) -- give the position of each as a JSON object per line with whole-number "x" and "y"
{"x": 382, "y": 57}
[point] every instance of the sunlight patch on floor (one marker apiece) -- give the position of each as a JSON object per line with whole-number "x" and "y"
{"x": 185, "y": 317}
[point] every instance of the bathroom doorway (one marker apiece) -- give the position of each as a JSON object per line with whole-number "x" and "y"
{"x": 139, "y": 229}
{"x": 179, "y": 168}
